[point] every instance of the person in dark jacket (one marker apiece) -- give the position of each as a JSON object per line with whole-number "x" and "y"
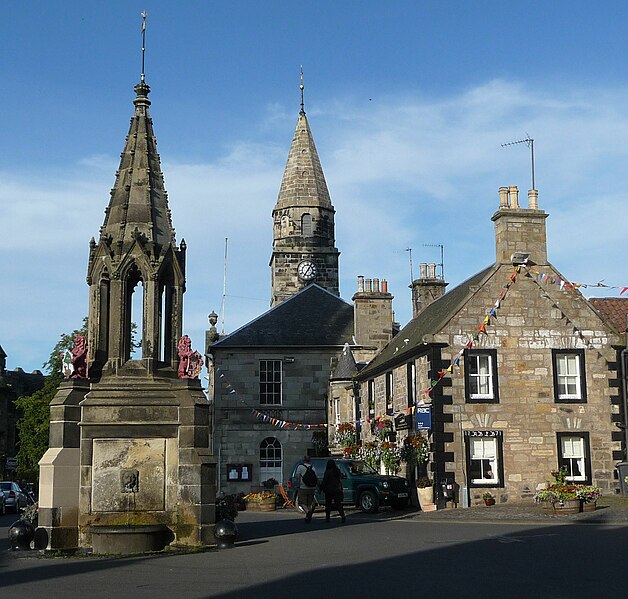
{"x": 331, "y": 485}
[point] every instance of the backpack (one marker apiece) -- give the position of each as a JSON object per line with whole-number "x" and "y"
{"x": 309, "y": 477}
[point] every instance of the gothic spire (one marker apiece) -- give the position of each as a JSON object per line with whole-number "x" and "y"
{"x": 139, "y": 202}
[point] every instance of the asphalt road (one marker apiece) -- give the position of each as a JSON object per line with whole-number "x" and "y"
{"x": 277, "y": 555}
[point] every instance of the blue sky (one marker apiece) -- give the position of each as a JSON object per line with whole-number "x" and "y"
{"x": 409, "y": 103}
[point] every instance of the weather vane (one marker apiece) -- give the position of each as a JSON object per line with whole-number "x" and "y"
{"x": 302, "y": 87}
{"x": 530, "y": 143}
{"x": 144, "y": 14}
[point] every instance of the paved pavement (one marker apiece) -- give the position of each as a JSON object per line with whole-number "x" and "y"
{"x": 476, "y": 552}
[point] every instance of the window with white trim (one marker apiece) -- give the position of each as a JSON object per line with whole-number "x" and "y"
{"x": 573, "y": 454}
{"x": 270, "y": 459}
{"x": 480, "y": 374}
{"x": 484, "y": 457}
{"x": 569, "y": 376}
{"x": 270, "y": 382}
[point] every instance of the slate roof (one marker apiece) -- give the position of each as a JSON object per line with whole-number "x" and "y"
{"x": 614, "y": 309}
{"x": 429, "y": 322}
{"x": 313, "y": 317}
{"x": 346, "y": 367}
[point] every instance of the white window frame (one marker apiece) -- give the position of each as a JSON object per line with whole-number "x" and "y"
{"x": 268, "y": 385}
{"x": 481, "y": 384}
{"x": 568, "y": 372}
{"x": 270, "y": 459}
{"x": 573, "y": 451}
{"x": 485, "y": 450}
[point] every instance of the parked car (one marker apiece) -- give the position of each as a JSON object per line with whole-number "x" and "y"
{"x": 363, "y": 486}
{"x": 14, "y": 497}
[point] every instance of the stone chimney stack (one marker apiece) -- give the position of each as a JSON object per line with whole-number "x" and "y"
{"x": 519, "y": 230}
{"x": 428, "y": 288}
{"x": 373, "y": 314}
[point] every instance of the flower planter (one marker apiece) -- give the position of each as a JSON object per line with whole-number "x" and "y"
{"x": 489, "y": 502}
{"x": 571, "y": 506}
{"x": 589, "y": 507}
{"x": 265, "y": 505}
{"x": 426, "y": 496}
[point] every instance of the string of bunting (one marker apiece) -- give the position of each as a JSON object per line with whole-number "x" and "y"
{"x": 551, "y": 279}
{"x": 481, "y": 330}
{"x": 263, "y": 416}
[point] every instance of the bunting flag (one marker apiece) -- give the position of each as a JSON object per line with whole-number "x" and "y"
{"x": 551, "y": 279}
{"x": 263, "y": 416}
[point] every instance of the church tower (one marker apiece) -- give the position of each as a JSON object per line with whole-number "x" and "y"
{"x": 136, "y": 254}
{"x": 304, "y": 249}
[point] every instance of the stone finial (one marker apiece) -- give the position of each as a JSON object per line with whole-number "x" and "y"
{"x": 533, "y": 199}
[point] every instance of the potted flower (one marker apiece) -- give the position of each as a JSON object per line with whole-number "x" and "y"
{"x": 425, "y": 491}
{"x": 260, "y": 502}
{"x": 588, "y": 496}
{"x": 562, "y": 496}
{"x": 488, "y": 498}
{"x": 415, "y": 450}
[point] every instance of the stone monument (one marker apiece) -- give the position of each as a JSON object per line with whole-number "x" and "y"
{"x": 130, "y": 446}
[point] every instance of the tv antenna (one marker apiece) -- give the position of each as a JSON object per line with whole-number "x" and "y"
{"x": 530, "y": 143}
{"x": 442, "y": 256}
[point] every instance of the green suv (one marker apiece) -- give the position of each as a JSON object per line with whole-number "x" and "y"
{"x": 362, "y": 485}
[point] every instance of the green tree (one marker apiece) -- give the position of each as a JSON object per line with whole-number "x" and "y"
{"x": 34, "y": 423}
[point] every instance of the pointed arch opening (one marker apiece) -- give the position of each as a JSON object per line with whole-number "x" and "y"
{"x": 104, "y": 315}
{"x": 134, "y": 315}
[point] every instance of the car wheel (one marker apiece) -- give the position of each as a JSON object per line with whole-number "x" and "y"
{"x": 400, "y": 504}
{"x": 369, "y": 502}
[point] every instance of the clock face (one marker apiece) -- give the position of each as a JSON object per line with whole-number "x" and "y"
{"x": 306, "y": 270}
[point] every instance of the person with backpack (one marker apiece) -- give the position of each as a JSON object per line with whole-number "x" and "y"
{"x": 332, "y": 487}
{"x": 306, "y": 483}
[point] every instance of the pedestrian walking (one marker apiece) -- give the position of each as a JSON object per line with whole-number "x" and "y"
{"x": 306, "y": 483}
{"x": 332, "y": 487}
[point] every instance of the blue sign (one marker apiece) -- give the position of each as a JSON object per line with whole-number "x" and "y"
{"x": 423, "y": 418}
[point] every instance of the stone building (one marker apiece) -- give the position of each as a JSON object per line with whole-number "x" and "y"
{"x": 13, "y": 384}
{"x": 518, "y": 371}
{"x": 271, "y": 378}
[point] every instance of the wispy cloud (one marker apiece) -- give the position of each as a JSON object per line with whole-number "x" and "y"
{"x": 402, "y": 172}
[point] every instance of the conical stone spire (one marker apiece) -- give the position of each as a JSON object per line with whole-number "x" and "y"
{"x": 139, "y": 202}
{"x": 303, "y": 223}
{"x": 303, "y": 181}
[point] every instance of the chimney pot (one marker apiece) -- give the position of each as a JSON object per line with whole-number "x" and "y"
{"x": 376, "y": 285}
{"x": 360, "y": 283}
{"x": 423, "y": 270}
{"x": 384, "y": 286}
{"x": 514, "y": 196}
{"x": 367, "y": 285}
{"x": 533, "y": 199}
{"x": 503, "y": 197}
{"x": 431, "y": 270}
